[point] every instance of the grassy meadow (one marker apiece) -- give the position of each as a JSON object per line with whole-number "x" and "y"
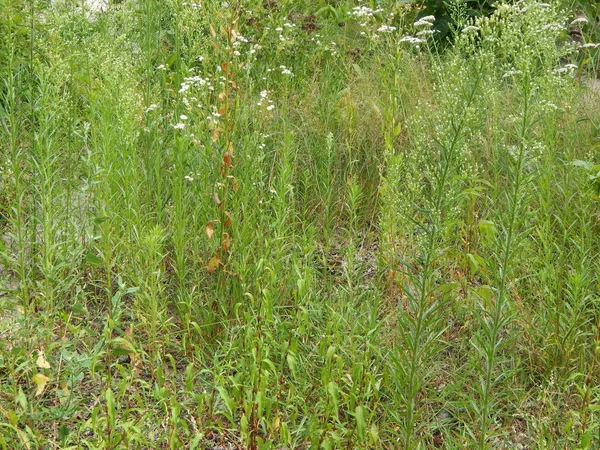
{"x": 305, "y": 224}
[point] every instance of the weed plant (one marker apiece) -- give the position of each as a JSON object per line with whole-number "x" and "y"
{"x": 292, "y": 225}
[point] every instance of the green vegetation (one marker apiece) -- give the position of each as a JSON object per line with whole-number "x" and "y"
{"x": 296, "y": 224}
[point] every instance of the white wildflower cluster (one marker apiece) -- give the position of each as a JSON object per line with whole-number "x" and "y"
{"x": 265, "y": 100}
{"x": 386, "y": 29}
{"x": 283, "y": 70}
{"x": 568, "y": 68}
{"x": 579, "y": 21}
{"x": 554, "y": 27}
{"x": 195, "y": 81}
{"x": 424, "y": 22}
{"x": 238, "y": 39}
{"x": 512, "y": 73}
{"x": 214, "y": 116}
{"x": 423, "y": 33}
{"x": 332, "y": 48}
{"x": 470, "y": 28}
{"x": 191, "y": 176}
{"x": 151, "y": 107}
{"x": 240, "y": 44}
{"x": 364, "y": 11}
{"x": 412, "y": 40}
{"x": 281, "y": 29}
{"x": 424, "y": 25}
{"x": 548, "y": 105}
{"x": 192, "y": 5}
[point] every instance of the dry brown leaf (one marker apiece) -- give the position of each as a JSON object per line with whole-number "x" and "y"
{"x": 216, "y": 134}
{"x": 210, "y": 229}
{"x": 227, "y": 160}
{"x": 226, "y": 245}
{"x": 213, "y": 264}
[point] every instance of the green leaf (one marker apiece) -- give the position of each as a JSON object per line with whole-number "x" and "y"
{"x": 361, "y": 424}
{"x": 110, "y": 405}
{"x": 334, "y": 392}
{"x": 63, "y": 434}
{"x": 585, "y": 164}
{"x": 229, "y": 403}
{"x": 100, "y": 219}
{"x": 291, "y": 361}
{"x": 93, "y": 259}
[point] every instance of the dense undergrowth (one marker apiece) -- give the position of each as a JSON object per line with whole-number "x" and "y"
{"x": 288, "y": 225}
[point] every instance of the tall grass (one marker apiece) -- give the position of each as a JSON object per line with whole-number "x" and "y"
{"x": 296, "y": 225}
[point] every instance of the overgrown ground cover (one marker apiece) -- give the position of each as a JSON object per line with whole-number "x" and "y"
{"x": 297, "y": 224}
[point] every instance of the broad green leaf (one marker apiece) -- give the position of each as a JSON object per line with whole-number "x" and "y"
{"x": 93, "y": 259}
{"x": 361, "y": 424}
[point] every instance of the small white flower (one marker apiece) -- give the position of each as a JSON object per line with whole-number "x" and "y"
{"x": 161, "y": 67}
{"x": 386, "y": 29}
{"x": 579, "y": 20}
{"x": 179, "y": 126}
{"x": 470, "y": 28}
{"x": 151, "y": 107}
{"x": 263, "y": 94}
{"x": 183, "y": 117}
{"x": 286, "y": 72}
{"x": 510, "y": 73}
{"x": 426, "y": 21}
{"x": 412, "y": 40}
{"x": 270, "y": 107}
{"x": 425, "y": 33}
